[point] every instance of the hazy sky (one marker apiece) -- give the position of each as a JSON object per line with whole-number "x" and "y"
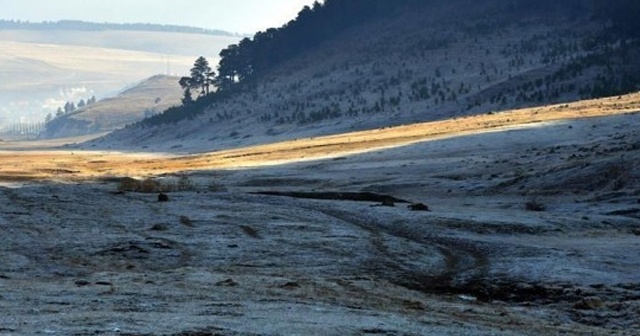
{"x": 237, "y": 16}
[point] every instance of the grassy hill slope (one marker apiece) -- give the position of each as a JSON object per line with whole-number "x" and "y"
{"x": 149, "y": 97}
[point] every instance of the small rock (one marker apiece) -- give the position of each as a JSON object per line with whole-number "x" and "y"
{"x": 388, "y": 203}
{"x": 418, "y": 207}
{"x": 163, "y": 197}
{"x": 636, "y": 231}
{"x": 589, "y": 303}
{"x": 159, "y": 227}
{"x": 232, "y": 246}
{"x": 82, "y": 283}
{"x": 290, "y": 285}
{"x": 467, "y": 298}
{"x": 186, "y": 221}
{"x": 227, "y": 283}
{"x": 104, "y": 283}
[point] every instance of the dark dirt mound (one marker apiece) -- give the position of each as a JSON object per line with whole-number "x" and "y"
{"x": 337, "y": 196}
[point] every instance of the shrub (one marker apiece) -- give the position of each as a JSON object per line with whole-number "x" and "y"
{"x": 134, "y": 185}
{"x": 154, "y": 185}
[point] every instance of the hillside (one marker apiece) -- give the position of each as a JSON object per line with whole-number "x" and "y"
{"x": 145, "y": 99}
{"x": 412, "y": 64}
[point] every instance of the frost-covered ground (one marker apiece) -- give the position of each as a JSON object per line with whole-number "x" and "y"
{"x": 220, "y": 259}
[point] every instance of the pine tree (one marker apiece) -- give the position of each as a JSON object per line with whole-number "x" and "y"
{"x": 201, "y": 76}
{"x": 187, "y": 99}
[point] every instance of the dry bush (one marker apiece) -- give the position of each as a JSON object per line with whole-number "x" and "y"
{"x": 150, "y": 186}
{"x": 154, "y": 185}
{"x": 128, "y": 184}
{"x": 144, "y": 186}
{"x": 249, "y": 231}
{"x": 619, "y": 174}
{"x": 184, "y": 183}
{"x": 216, "y": 187}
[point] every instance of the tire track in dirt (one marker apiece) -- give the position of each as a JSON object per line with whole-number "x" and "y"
{"x": 464, "y": 263}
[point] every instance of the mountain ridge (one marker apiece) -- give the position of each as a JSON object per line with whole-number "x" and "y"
{"x": 104, "y": 26}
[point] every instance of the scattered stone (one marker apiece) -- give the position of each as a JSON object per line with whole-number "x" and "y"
{"x": 290, "y": 285}
{"x": 467, "y": 298}
{"x": 226, "y": 283}
{"x": 589, "y": 303}
{"x": 163, "y": 197}
{"x": 418, "y": 207}
{"x": 159, "y": 244}
{"x": 159, "y": 227}
{"x": 186, "y": 221}
{"x": 636, "y": 231}
{"x": 82, "y": 283}
{"x": 104, "y": 283}
{"x": 534, "y": 205}
{"x": 388, "y": 203}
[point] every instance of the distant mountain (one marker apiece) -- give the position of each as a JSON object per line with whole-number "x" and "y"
{"x": 358, "y": 64}
{"x": 149, "y": 97}
{"x": 93, "y": 26}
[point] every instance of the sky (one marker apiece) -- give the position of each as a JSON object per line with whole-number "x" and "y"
{"x": 236, "y": 16}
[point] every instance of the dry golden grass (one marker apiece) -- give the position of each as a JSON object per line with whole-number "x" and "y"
{"x": 65, "y": 165}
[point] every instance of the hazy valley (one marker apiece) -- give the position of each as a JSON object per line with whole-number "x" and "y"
{"x": 41, "y": 70}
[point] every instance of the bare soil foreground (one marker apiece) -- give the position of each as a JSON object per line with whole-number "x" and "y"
{"x": 532, "y": 229}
